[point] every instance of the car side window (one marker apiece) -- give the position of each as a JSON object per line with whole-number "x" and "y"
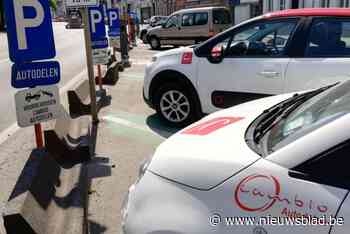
{"x": 269, "y": 38}
{"x": 187, "y": 20}
{"x": 331, "y": 167}
{"x": 201, "y": 18}
{"x": 195, "y": 19}
{"x": 172, "y": 22}
{"x": 329, "y": 38}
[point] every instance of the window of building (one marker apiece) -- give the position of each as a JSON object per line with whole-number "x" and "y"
{"x": 282, "y": 4}
{"x": 345, "y": 3}
{"x": 270, "y": 5}
{"x": 325, "y": 3}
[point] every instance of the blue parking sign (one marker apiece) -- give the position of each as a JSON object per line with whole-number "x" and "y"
{"x": 29, "y": 30}
{"x": 97, "y": 23}
{"x": 113, "y": 22}
{"x": 35, "y": 74}
{"x": 113, "y": 18}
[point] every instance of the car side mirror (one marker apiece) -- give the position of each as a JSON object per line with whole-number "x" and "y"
{"x": 217, "y": 54}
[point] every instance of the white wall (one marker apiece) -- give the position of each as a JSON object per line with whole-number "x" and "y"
{"x": 242, "y": 13}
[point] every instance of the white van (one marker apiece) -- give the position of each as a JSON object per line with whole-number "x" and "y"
{"x": 190, "y": 26}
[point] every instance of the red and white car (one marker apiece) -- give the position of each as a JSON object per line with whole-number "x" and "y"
{"x": 285, "y": 158}
{"x": 272, "y": 54}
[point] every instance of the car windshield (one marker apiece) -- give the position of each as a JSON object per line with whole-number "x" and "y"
{"x": 312, "y": 114}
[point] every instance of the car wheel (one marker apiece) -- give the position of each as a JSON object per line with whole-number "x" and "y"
{"x": 144, "y": 38}
{"x": 175, "y": 105}
{"x": 155, "y": 43}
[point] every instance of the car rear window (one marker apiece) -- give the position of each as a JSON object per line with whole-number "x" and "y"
{"x": 221, "y": 16}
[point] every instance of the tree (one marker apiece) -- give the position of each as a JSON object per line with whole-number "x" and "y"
{"x": 53, "y": 4}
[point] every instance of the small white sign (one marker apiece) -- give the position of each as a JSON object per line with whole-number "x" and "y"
{"x": 100, "y": 56}
{"x": 81, "y": 3}
{"x": 114, "y": 42}
{"x": 37, "y": 105}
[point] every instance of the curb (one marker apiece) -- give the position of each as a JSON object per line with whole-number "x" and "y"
{"x": 50, "y": 196}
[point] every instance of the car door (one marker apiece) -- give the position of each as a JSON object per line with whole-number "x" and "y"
{"x": 326, "y": 57}
{"x": 243, "y": 75}
{"x": 169, "y": 34}
{"x": 194, "y": 27}
{"x": 275, "y": 198}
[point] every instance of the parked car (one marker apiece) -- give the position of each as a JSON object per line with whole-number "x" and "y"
{"x": 154, "y": 21}
{"x": 275, "y": 53}
{"x": 74, "y": 21}
{"x": 190, "y": 26}
{"x": 281, "y": 158}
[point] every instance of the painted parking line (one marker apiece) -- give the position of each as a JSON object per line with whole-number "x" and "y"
{"x": 4, "y": 60}
{"x": 132, "y": 131}
{"x": 127, "y": 123}
{"x": 132, "y": 76}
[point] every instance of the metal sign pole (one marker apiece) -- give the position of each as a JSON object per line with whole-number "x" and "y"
{"x": 99, "y": 77}
{"x": 88, "y": 51}
{"x": 39, "y": 136}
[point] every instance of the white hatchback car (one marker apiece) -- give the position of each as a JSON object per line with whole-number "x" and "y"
{"x": 275, "y": 53}
{"x": 275, "y": 165}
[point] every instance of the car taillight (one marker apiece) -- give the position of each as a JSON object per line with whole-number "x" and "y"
{"x": 186, "y": 58}
{"x": 211, "y": 33}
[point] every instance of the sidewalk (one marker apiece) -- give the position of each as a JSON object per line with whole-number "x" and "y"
{"x": 127, "y": 134}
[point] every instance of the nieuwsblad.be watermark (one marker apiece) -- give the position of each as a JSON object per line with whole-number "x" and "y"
{"x": 216, "y": 219}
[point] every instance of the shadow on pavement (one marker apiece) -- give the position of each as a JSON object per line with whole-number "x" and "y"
{"x": 164, "y": 48}
{"x": 98, "y": 167}
{"x": 95, "y": 228}
{"x": 28, "y": 173}
{"x": 158, "y": 126}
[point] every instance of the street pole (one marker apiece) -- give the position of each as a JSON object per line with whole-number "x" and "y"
{"x": 90, "y": 66}
{"x": 39, "y": 136}
{"x": 124, "y": 46}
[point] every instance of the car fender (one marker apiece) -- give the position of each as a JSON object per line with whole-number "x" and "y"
{"x": 170, "y": 63}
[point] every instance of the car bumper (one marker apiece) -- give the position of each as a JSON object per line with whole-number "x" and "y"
{"x": 147, "y": 101}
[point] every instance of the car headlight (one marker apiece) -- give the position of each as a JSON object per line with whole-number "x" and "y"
{"x": 143, "y": 167}
{"x": 154, "y": 59}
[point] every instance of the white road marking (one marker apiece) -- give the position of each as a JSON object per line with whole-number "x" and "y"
{"x": 5, "y": 134}
{"x": 130, "y": 124}
{"x": 4, "y": 60}
{"x": 140, "y": 62}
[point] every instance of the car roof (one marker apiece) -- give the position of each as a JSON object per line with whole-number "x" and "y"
{"x": 309, "y": 12}
{"x": 197, "y": 9}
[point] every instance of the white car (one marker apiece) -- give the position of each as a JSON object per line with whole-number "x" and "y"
{"x": 272, "y": 54}
{"x": 283, "y": 158}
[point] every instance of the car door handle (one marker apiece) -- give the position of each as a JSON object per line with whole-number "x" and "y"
{"x": 269, "y": 73}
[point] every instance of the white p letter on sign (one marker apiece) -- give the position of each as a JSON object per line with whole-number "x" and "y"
{"x": 96, "y": 18}
{"x": 23, "y": 23}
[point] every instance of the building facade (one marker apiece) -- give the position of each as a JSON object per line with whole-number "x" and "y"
{"x": 274, "y": 5}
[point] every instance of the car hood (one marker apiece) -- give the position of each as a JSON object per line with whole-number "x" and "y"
{"x": 212, "y": 150}
{"x": 177, "y": 51}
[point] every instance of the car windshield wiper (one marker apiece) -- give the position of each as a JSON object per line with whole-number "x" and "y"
{"x": 273, "y": 115}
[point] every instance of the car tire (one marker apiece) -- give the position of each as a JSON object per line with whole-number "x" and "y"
{"x": 155, "y": 43}
{"x": 176, "y": 105}
{"x": 144, "y": 37}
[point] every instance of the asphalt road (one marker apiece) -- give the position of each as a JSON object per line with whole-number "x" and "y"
{"x": 70, "y": 52}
